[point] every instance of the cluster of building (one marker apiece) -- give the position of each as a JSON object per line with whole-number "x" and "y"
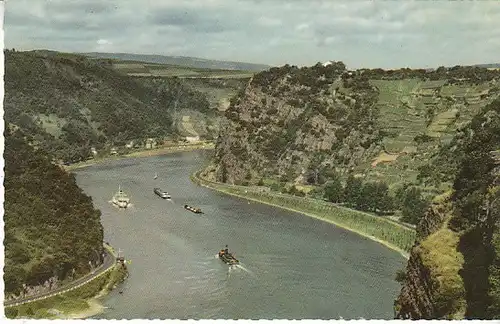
{"x": 149, "y": 143}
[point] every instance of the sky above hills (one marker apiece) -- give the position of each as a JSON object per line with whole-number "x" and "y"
{"x": 386, "y": 34}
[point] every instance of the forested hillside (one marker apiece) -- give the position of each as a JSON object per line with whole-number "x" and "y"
{"x": 52, "y": 230}
{"x": 69, "y": 103}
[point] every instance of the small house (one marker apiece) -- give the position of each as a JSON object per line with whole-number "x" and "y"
{"x": 151, "y": 143}
{"x": 192, "y": 139}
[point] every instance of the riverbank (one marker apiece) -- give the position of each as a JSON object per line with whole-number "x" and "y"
{"x": 386, "y": 232}
{"x": 143, "y": 153}
{"x": 77, "y": 303}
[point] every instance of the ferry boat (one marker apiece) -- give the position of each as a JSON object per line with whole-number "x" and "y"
{"x": 161, "y": 193}
{"x": 192, "y": 209}
{"x": 120, "y": 199}
{"x": 228, "y": 258}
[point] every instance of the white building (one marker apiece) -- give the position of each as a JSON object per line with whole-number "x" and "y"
{"x": 150, "y": 143}
{"x": 192, "y": 139}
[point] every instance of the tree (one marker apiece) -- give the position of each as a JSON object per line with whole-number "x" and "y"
{"x": 352, "y": 191}
{"x": 385, "y": 202}
{"x": 414, "y": 205}
{"x": 368, "y": 198}
{"x": 334, "y": 191}
{"x": 11, "y": 312}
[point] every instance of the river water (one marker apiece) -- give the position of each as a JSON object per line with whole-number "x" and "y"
{"x": 292, "y": 266}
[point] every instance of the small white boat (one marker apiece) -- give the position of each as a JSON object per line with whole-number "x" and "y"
{"x": 121, "y": 199}
{"x": 156, "y": 176}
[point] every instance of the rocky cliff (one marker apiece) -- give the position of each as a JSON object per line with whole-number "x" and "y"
{"x": 289, "y": 120}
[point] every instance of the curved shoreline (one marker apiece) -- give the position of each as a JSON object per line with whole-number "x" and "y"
{"x": 405, "y": 254}
{"x": 140, "y": 154}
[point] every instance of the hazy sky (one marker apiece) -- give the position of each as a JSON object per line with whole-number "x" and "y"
{"x": 383, "y": 34}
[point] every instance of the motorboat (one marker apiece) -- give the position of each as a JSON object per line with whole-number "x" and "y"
{"x": 227, "y": 257}
{"x": 161, "y": 193}
{"x": 193, "y": 209}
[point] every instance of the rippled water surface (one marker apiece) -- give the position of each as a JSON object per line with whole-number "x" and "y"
{"x": 293, "y": 266}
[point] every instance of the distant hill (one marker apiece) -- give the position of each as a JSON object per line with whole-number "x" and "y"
{"x": 193, "y": 62}
{"x": 489, "y": 66}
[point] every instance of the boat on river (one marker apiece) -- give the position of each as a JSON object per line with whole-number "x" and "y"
{"x": 161, "y": 193}
{"x": 120, "y": 199}
{"x": 227, "y": 257}
{"x": 193, "y": 209}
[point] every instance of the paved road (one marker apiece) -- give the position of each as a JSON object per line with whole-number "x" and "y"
{"x": 109, "y": 261}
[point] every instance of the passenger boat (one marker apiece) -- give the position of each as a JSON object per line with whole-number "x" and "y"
{"x": 120, "y": 199}
{"x": 161, "y": 193}
{"x": 192, "y": 209}
{"x": 228, "y": 258}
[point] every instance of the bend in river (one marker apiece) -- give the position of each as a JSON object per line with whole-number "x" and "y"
{"x": 292, "y": 266}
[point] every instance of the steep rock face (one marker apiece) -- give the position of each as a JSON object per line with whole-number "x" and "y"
{"x": 290, "y": 120}
{"x": 433, "y": 287}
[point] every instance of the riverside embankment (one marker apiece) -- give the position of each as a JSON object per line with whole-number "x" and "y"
{"x": 207, "y": 145}
{"x": 382, "y": 230}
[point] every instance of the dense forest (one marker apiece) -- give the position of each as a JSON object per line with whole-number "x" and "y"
{"x": 51, "y": 227}
{"x": 68, "y": 103}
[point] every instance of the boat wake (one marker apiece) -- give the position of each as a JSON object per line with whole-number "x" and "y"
{"x": 237, "y": 267}
{"x": 129, "y": 206}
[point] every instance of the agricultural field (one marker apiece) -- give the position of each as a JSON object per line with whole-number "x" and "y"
{"x": 141, "y": 69}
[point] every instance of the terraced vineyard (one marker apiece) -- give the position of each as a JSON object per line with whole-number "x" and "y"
{"x": 418, "y": 116}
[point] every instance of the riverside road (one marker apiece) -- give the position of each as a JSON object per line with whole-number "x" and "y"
{"x": 292, "y": 266}
{"x": 108, "y": 261}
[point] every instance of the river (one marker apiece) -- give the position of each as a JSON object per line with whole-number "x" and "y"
{"x": 292, "y": 266}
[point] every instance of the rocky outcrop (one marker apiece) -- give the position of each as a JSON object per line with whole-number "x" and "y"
{"x": 289, "y": 121}
{"x": 432, "y": 287}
